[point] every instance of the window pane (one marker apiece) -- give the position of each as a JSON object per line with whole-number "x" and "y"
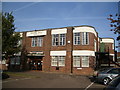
{"x": 62, "y": 39}
{"x": 33, "y": 42}
{"x": 76, "y": 37}
{"x": 76, "y": 61}
{"x": 85, "y": 38}
{"x": 61, "y": 61}
{"x": 55, "y": 39}
{"x": 40, "y": 41}
{"x": 85, "y": 61}
{"x": 53, "y": 61}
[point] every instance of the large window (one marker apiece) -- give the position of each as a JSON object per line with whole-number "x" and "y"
{"x": 85, "y": 38}
{"x": 58, "y": 39}
{"x": 58, "y": 61}
{"x": 80, "y": 61}
{"x": 37, "y": 41}
{"x": 76, "y": 38}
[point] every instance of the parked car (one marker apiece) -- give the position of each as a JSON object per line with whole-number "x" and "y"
{"x": 106, "y": 75}
{"x": 3, "y": 75}
{"x": 114, "y": 84}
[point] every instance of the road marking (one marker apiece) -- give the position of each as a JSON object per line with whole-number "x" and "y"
{"x": 89, "y": 86}
{"x": 14, "y": 80}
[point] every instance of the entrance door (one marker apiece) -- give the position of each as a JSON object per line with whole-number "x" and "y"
{"x": 36, "y": 65}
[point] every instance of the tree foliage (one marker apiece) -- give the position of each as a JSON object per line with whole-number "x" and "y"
{"x": 115, "y": 24}
{"x": 10, "y": 38}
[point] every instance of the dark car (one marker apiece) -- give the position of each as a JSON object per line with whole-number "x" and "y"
{"x": 114, "y": 84}
{"x": 3, "y": 75}
{"x": 106, "y": 75}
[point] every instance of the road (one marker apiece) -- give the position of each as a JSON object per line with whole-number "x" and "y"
{"x": 33, "y": 79}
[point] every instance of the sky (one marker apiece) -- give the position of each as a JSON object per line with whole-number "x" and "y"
{"x": 43, "y": 15}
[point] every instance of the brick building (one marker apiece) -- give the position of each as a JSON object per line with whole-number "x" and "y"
{"x": 66, "y": 50}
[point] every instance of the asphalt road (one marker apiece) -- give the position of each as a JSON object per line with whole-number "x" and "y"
{"x": 33, "y": 79}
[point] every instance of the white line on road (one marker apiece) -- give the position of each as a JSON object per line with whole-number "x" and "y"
{"x": 89, "y": 86}
{"x": 14, "y": 80}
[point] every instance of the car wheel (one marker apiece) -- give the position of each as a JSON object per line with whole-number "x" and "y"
{"x": 106, "y": 81}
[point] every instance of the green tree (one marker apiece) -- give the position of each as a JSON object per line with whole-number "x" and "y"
{"x": 10, "y": 38}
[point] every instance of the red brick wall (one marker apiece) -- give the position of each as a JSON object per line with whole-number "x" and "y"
{"x": 69, "y": 47}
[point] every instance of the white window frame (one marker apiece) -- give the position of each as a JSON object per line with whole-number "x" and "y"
{"x": 37, "y": 41}
{"x": 61, "y": 61}
{"x": 53, "y": 61}
{"x": 58, "y": 39}
{"x": 62, "y": 39}
{"x": 95, "y": 45}
{"x": 85, "y": 61}
{"x": 57, "y": 60}
{"x": 85, "y": 38}
{"x": 76, "y": 37}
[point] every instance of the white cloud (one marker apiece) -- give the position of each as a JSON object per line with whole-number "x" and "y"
{"x": 26, "y": 6}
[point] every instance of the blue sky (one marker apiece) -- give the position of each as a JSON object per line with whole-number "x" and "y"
{"x": 43, "y": 15}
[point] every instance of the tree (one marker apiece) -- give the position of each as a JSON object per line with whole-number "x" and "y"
{"x": 115, "y": 24}
{"x": 10, "y": 38}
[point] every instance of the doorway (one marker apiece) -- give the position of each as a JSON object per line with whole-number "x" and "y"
{"x": 36, "y": 65}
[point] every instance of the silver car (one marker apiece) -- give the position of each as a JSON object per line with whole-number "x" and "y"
{"x": 114, "y": 84}
{"x": 106, "y": 75}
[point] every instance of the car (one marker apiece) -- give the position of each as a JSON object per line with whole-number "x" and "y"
{"x": 107, "y": 74}
{"x": 114, "y": 84}
{"x": 3, "y": 75}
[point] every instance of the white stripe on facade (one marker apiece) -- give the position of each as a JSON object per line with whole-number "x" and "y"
{"x": 59, "y": 31}
{"x": 107, "y": 40}
{"x": 83, "y": 53}
{"x": 57, "y": 53}
{"x": 85, "y": 29}
{"x": 36, "y": 33}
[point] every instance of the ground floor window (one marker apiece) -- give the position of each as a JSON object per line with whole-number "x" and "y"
{"x": 76, "y": 61}
{"x": 15, "y": 60}
{"x": 58, "y": 61}
{"x": 85, "y": 61}
{"x": 80, "y": 61}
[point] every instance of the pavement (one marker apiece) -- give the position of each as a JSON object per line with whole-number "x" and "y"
{"x": 37, "y": 79}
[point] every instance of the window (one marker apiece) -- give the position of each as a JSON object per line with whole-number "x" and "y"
{"x": 37, "y": 41}
{"x": 114, "y": 71}
{"x": 53, "y": 61}
{"x": 58, "y": 61}
{"x": 85, "y": 38}
{"x": 62, "y": 39}
{"x": 58, "y": 39}
{"x": 76, "y": 38}
{"x": 61, "y": 60}
{"x": 76, "y": 61}
{"x": 85, "y": 61}
{"x": 95, "y": 47}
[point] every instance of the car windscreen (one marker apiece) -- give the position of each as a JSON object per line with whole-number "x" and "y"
{"x": 115, "y": 82}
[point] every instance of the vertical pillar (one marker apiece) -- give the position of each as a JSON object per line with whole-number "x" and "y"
{"x": 47, "y": 47}
{"x": 69, "y": 49}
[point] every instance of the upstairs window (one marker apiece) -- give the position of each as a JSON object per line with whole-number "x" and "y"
{"x": 85, "y": 38}
{"x": 58, "y": 39}
{"x": 37, "y": 41}
{"x": 76, "y": 38}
